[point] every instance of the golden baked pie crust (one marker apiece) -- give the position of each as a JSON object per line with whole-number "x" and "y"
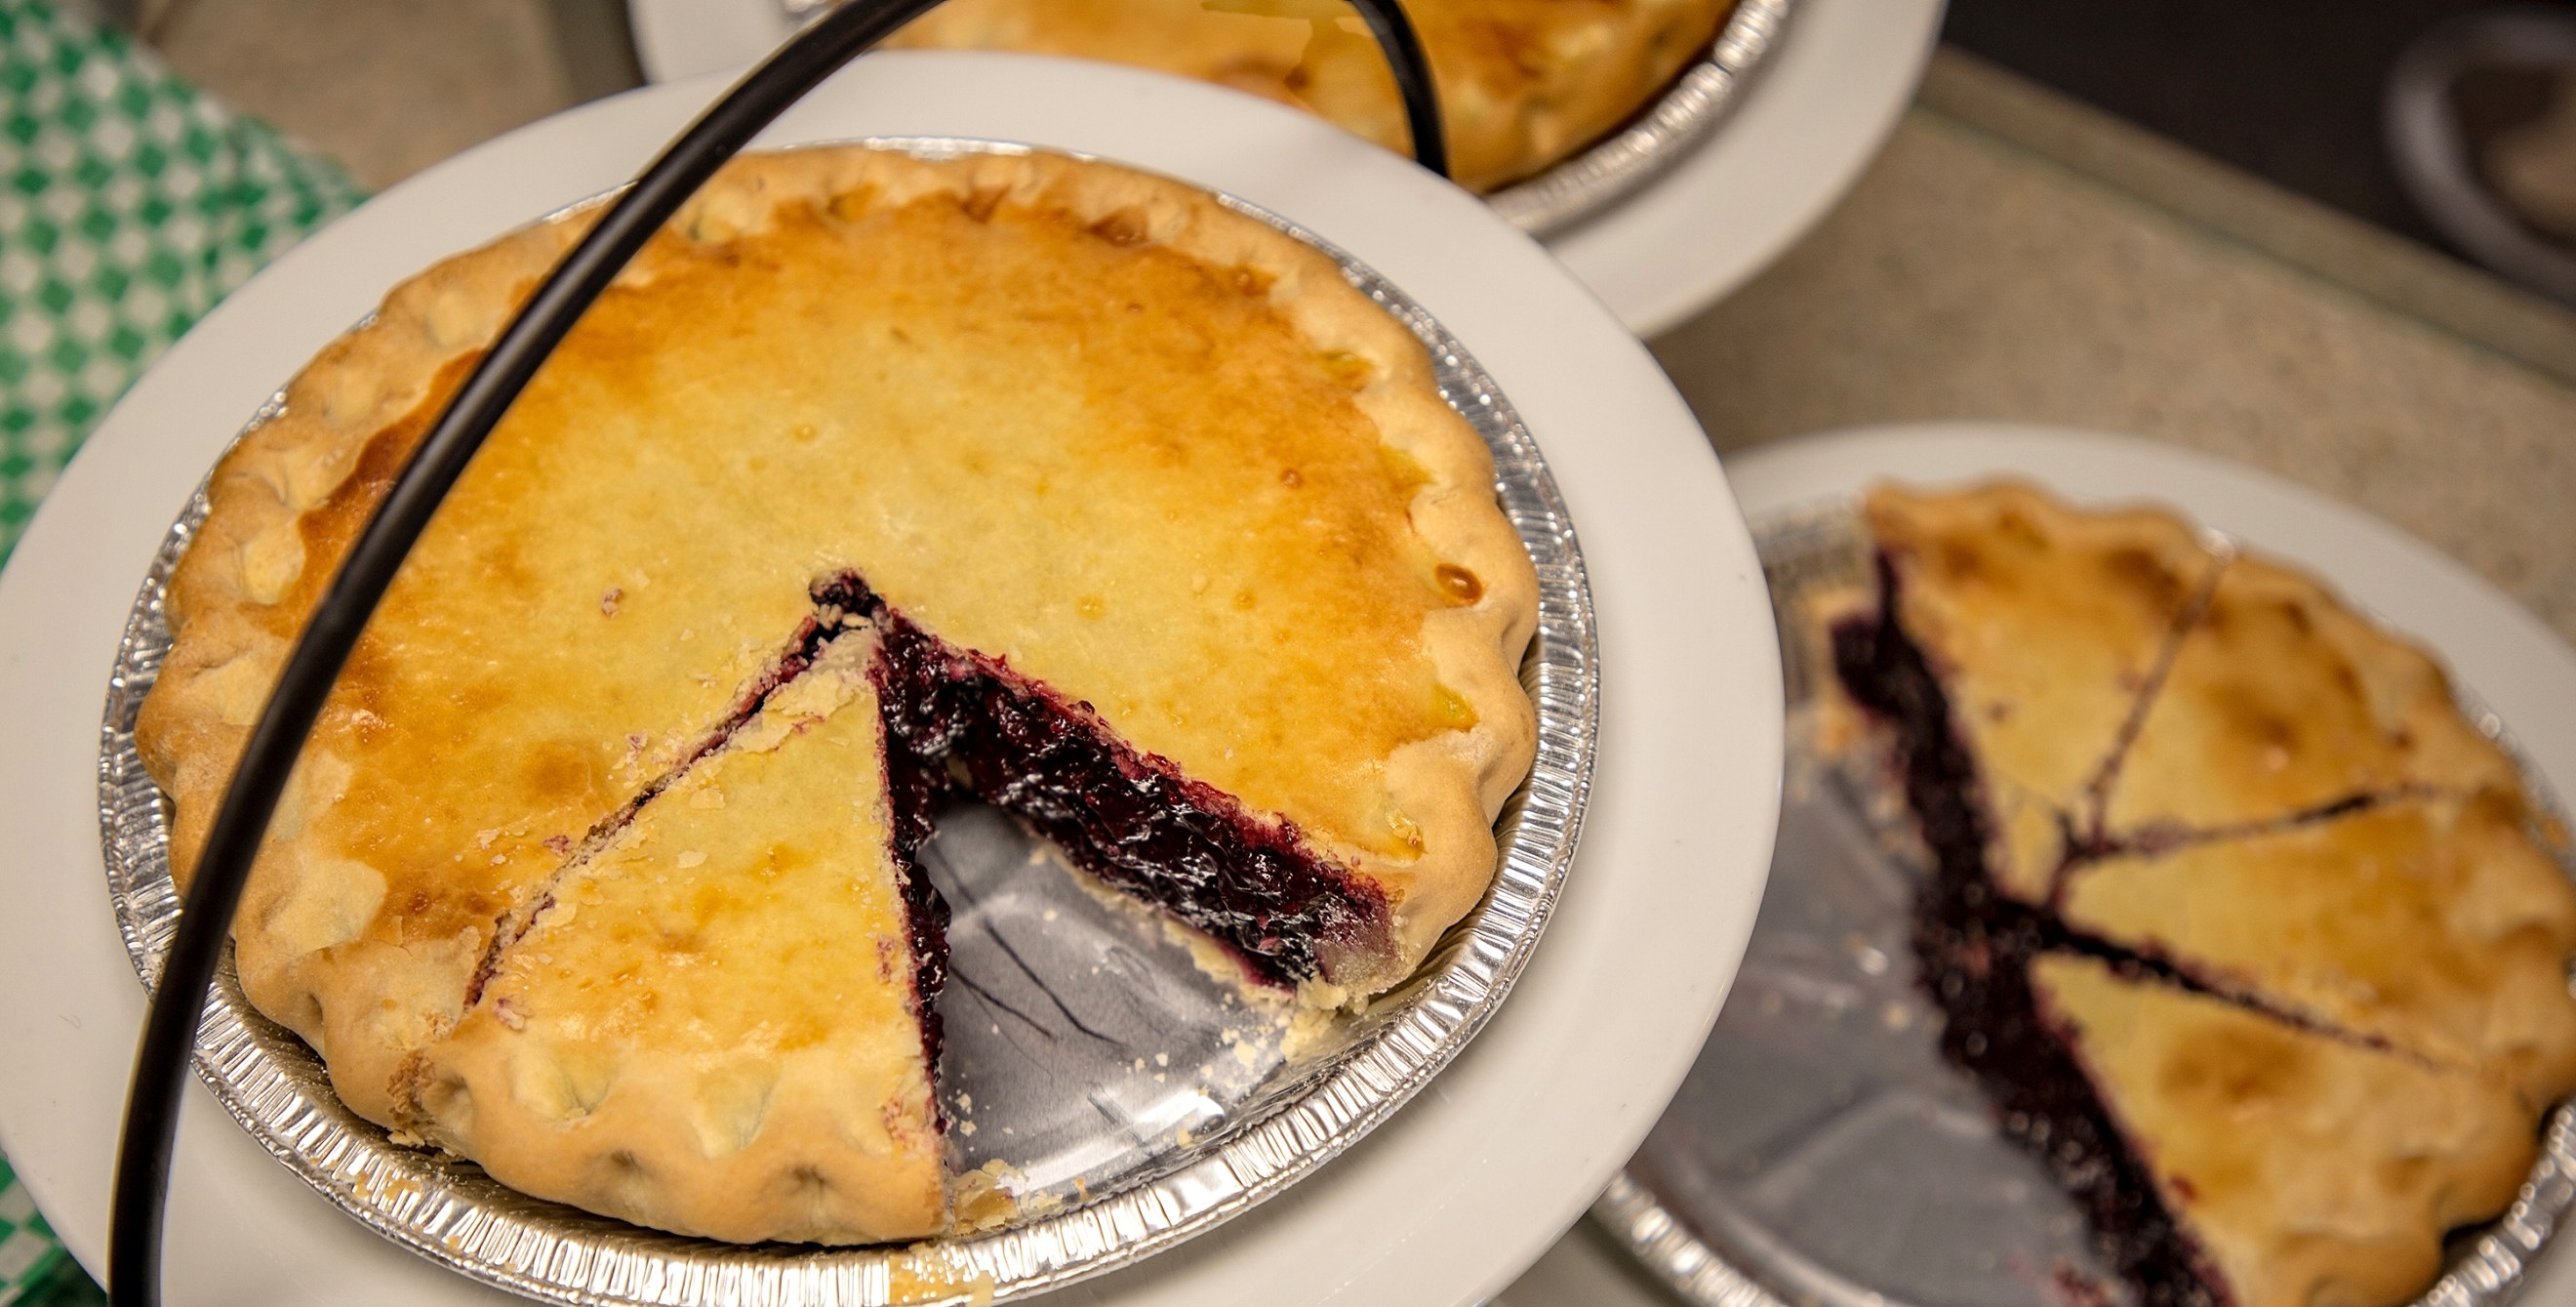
{"x": 1241, "y": 644}
{"x": 2433, "y": 924}
{"x": 2239, "y": 778}
{"x": 2311, "y": 1169}
{"x": 1523, "y": 83}
{"x": 2046, "y": 625}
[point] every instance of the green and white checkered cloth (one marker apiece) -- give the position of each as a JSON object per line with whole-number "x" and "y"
{"x": 33, "y": 1266}
{"x": 129, "y": 204}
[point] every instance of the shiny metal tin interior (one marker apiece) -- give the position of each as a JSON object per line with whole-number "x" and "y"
{"x": 1657, "y": 137}
{"x": 1942, "y": 1199}
{"x": 1195, "y": 1172}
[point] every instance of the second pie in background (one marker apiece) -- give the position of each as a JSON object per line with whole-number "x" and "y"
{"x": 1523, "y": 83}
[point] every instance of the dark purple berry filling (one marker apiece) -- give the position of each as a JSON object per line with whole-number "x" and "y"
{"x": 1976, "y": 947}
{"x": 959, "y": 722}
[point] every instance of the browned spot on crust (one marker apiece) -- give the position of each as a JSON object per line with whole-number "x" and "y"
{"x": 2146, "y": 573}
{"x": 1459, "y": 583}
{"x": 557, "y": 770}
{"x": 2018, "y": 528}
{"x": 1126, "y": 228}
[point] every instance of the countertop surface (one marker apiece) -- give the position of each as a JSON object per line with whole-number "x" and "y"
{"x": 2013, "y": 255}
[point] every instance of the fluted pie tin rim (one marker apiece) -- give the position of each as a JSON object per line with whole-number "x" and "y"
{"x": 452, "y": 1213}
{"x": 1617, "y": 165}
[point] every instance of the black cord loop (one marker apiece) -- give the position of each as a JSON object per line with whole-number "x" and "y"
{"x": 169, "y": 1033}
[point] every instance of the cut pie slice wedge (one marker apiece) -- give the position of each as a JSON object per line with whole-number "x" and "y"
{"x": 2302, "y": 1168}
{"x": 2048, "y": 630}
{"x": 716, "y": 1023}
{"x": 2434, "y": 925}
{"x": 2281, "y": 702}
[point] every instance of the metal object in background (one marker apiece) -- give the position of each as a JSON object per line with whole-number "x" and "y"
{"x": 1822, "y": 1152}
{"x": 2431, "y": 147}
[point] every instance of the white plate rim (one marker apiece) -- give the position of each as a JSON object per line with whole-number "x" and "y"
{"x": 1814, "y": 112}
{"x": 1449, "y": 1199}
{"x": 2513, "y": 663}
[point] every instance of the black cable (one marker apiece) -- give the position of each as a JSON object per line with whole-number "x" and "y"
{"x": 1412, "y": 69}
{"x": 135, "y": 1222}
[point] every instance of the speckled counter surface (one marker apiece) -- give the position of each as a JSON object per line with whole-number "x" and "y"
{"x": 2013, "y": 255}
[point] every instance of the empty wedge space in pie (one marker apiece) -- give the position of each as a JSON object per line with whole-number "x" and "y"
{"x": 2241, "y": 926}
{"x": 874, "y": 481}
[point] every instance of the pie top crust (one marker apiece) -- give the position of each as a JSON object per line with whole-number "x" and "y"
{"x": 2314, "y": 1170}
{"x": 710, "y": 1027}
{"x": 2045, "y": 625}
{"x": 2283, "y": 701}
{"x": 1523, "y": 83}
{"x": 2336, "y": 1001}
{"x": 1141, "y": 449}
{"x": 2433, "y": 925}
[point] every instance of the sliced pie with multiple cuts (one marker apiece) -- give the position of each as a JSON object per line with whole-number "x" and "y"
{"x": 2285, "y": 1001}
{"x": 1522, "y": 83}
{"x": 873, "y": 480}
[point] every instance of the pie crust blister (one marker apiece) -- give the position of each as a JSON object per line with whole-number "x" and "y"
{"x": 1421, "y": 832}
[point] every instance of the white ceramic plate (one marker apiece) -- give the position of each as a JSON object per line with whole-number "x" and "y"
{"x": 1441, "y": 1205}
{"x": 1816, "y": 110}
{"x": 2517, "y": 666}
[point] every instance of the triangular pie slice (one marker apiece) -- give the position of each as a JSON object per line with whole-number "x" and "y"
{"x": 1173, "y": 545}
{"x": 2047, "y": 628}
{"x": 714, "y": 1023}
{"x": 2435, "y": 925}
{"x": 2283, "y": 702}
{"x": 2305, "y": 1168}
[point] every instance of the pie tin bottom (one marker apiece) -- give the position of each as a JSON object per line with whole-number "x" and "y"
{"x": 1821, "y": 1151}
{"x": 1093, "y": 1071}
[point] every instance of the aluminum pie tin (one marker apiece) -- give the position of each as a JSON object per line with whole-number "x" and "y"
{"x": 1657, "y": 137}
{"x": 1125, "y": 1098}
{"x": 1821, "y": 1152}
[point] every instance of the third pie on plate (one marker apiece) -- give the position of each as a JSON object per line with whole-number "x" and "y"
{"x": 1523, "y": 83}
{"x": 2241, "y": 926}
{"x": 874, "y": 480}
